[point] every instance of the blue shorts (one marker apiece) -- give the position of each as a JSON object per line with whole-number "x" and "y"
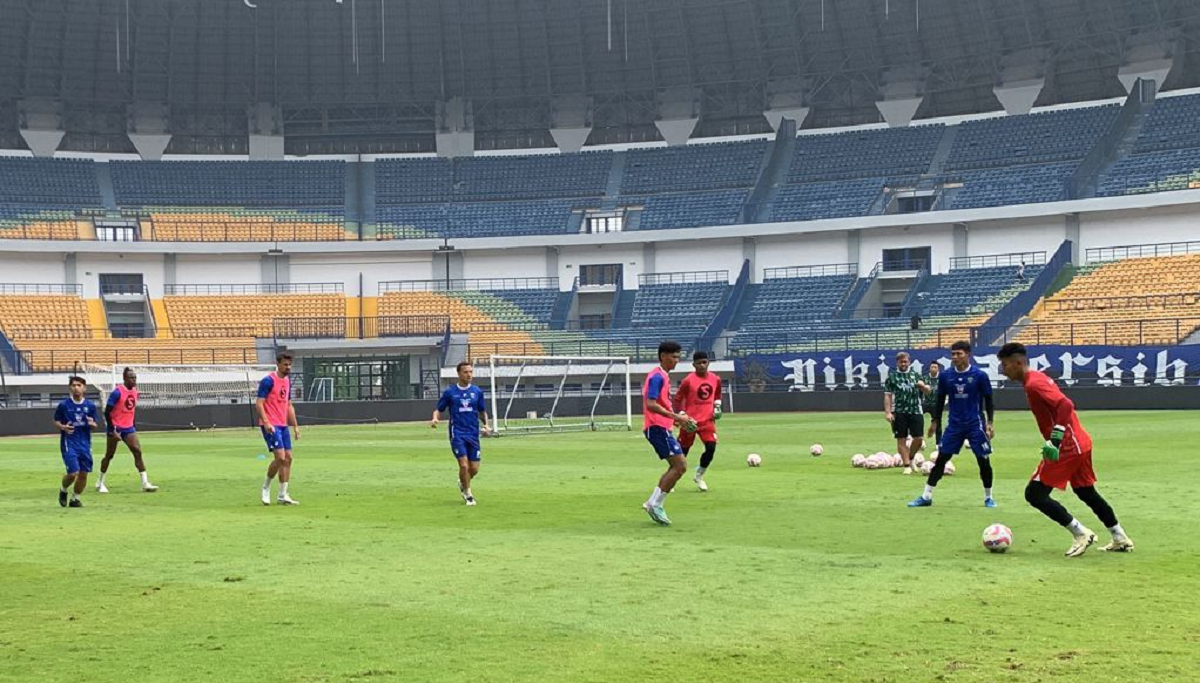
{"x": 281, "y": 440}
{"x": 77, "y": 458}
{"x": 664, "y": 442}
{"x": 464, "y": 447}
{"x": 123, "y": 432}
{"x": 954, "y": 436}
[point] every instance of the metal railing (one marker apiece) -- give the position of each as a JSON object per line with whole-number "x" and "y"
{"x": 219, "y": 290}
{"x": 68, "y": 361}
{"x": 58, "y": 230}
{"x": 1107, "y": 332}
{"x": 485, "y": 284}
{"x": 42, "y": 332}
{"x": 361, "y": 328}
{"x": 1142, "y": 301}
{"x": 1023, "y": 303}
{"x": 22, "y": 288}
{"x": 1101, "y": 254}
{"x": 686, "y": 277}
{"x": 1029, "y": 258}
{"x": 120, "y": 289}
{"x": 810, "y": 271}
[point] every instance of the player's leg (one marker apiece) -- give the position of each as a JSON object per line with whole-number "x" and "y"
{"x": 1049, "y": 476}
{"x": 135, "y": 447}
{"x": 64, "y": 490}
{"x": 81, "y": 478}
{"x": 285, "y": 478}
{"x": 110, "y": 449}
{"x": 950, "y": 446}
{"x": 916, "y": 430}
{"x": 982, "y": 448}
{"x": 706, "y": 458}
{"x": 668, "y": 449}
{"x": 1121, "y": 543}
{"x": 900, "y": 432}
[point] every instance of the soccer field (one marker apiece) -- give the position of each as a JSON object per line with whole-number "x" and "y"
{"x": 803, "y": 569}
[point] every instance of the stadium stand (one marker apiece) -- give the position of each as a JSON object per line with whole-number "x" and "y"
{"x": 42, "y": 198}
{"x": 964, "y": 291}
{"x": 1015, "y": 185}
{"x": 25, "y": 315}
{"x": 834, "y": 199}
{"x": 1173, "y": 123}
{"x": 532, "y": 177}
{"x": 1147, "y": 300}
{"x": 271, "y": 184}
{"x": 247, "y": 315}
{"x": 692, "y": 167}
{"x": 1045, "y": 137}
{"x": 58, "y": 355}
{"x": 1153, "y": 172}
{"x": 686, "y": 210}
{"x": 242, "y": 225}
{"x": 864, "y": 154}
{"x": 413, "y": 181}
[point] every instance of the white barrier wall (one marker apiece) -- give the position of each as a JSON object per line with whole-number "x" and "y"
{"x": 89, "y": 268}
{"x": 345, "y": 268}
{"x": 216, "y": 270}
{"x": 809, "y": 249}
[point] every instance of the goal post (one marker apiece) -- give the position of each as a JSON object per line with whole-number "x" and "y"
{"x": 531, "y": 394}
{"x": 183, "y": 385}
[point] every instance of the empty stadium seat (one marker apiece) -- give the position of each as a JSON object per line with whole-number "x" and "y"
{"x": 1043, "y": 137}
{"x": 692, "y": 167}
{"x": 248, "y": 315}
{"x": 864, "y": 153}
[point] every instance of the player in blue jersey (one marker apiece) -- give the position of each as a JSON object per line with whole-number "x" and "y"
{"x": 465, "y": 405}
{"x": 969, "y": 391}
{"x": 75, "y": 417}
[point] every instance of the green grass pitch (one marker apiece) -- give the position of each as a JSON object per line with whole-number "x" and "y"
{"x": 804, "y": 569}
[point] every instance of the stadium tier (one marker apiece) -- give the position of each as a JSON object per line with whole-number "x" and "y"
{"x": 1173, "y": 123}
{"x": 692, "y": 167}
{"x": 691, "y": 209}
{"x": 480, "y": 219}
{"x": 470, "y": 308}
{"x": 1148, "y": 300}
{"x": 1045, "y": 137}
{"x": 815, "y": 201}
{"x": 864, "y": 154}
{"x": 271, "y": 184}
{"x": 242, "y": 225}
{"x": 65, "y": 355}
{"x": 23, "y": 316}
{"x": 1007, "y": 186}
{"x": 49, "y": 183}
{"x": 247, "y": 315}
{"x": 1177, "y": 169}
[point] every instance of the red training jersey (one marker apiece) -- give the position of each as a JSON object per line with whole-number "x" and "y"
{"x": 123, "y": 401}
{"x": 656, "y": 389}
{"x": 697, "y": 394}
{"x": 1051, "y": 407}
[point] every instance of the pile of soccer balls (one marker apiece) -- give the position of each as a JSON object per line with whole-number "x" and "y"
{"x": 881, "y": 461}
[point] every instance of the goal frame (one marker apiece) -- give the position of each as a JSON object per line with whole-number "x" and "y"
{"x": 246, "y": 373}
{"x": 499, "y": 420}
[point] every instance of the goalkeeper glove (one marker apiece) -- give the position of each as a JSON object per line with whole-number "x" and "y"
{"x": 717, "y": 409}
{"x": 1050, "y": 449}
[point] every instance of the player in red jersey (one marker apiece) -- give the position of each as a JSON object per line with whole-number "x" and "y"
{"x": 119, "y": 416}
{"x": 1066, "y": 455}
{"x": 699, "y": 396}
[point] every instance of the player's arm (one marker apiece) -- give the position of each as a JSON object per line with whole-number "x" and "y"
{"x": 111, "y": 403}
{"x": 1063, "y": 410}
{"x": 292, "y": 422}
{"x": 652, "y": 393}
{"x": 888, "y": 399}
{"x": 989, "y": 406}
{"x": 61, "y": 421}
{"x": 442, "y": 404}
{"x": 260, "y": 405}
{"x": 717, "y": 401}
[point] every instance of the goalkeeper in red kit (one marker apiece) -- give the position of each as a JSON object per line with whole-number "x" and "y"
{"x": 1066, "y": 455}
{"x": 699, "y": 396}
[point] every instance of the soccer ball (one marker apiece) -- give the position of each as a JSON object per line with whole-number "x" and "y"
{"x": 816, "y": 450}
{"x": 754, "y": 460}
{"x": 997, "y": 538}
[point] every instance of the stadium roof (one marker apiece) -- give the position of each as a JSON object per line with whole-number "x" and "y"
{"x": 372, "y": 75}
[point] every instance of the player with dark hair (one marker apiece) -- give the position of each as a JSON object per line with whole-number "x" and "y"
{"x": 119, "y": 416}
{"x": 658, "y": 419}
{"x": 969, "y": 391}
{"x": 277, "y": 418}
{"x": 1066, "y": 455}
{"x": 931, "y": 381}
{"x": 902, "y": 395}
{"x": 75, "y": 417}
{"x": 699, "y": 396}
{"x": 465, "y": 404}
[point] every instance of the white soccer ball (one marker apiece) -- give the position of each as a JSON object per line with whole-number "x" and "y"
{"x": 950, "y": 468}
{"x": 918, "y": 460}
{"x": 754, "y": 460}
{"x": 859, "y": 460}
{"x": 897, "y": 460}
{"x": 927, "y": 467}
{"x": 997, "y": 538}
{"x": 816, "y": 449}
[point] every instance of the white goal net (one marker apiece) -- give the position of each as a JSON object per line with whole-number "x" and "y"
{"x": 183, "y": 385}
{"x": 531, "y": 394}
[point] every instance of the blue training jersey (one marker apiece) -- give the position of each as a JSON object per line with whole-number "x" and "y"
{"x": 966, "y": 390}
{"x": 76, "y": 415}
{"x": 464, "y": 406}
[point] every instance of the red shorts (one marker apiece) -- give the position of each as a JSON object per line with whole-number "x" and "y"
{"x": 707, "y": 431}
{"x": 1070, "y": 468}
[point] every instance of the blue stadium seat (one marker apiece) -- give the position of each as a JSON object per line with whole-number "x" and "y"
{"x": 1007, "y": 186}
{"x": 864, "y": 154}
{"x": 48, "y": 183}
{"x": 815, "y": 201}
{"x": 692, "y": 167}
{"x": 229, "y": 183}
{"x": 1044, "y": 137}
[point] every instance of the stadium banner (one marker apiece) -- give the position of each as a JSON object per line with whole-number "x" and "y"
{"x": 1069, "y": 365}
